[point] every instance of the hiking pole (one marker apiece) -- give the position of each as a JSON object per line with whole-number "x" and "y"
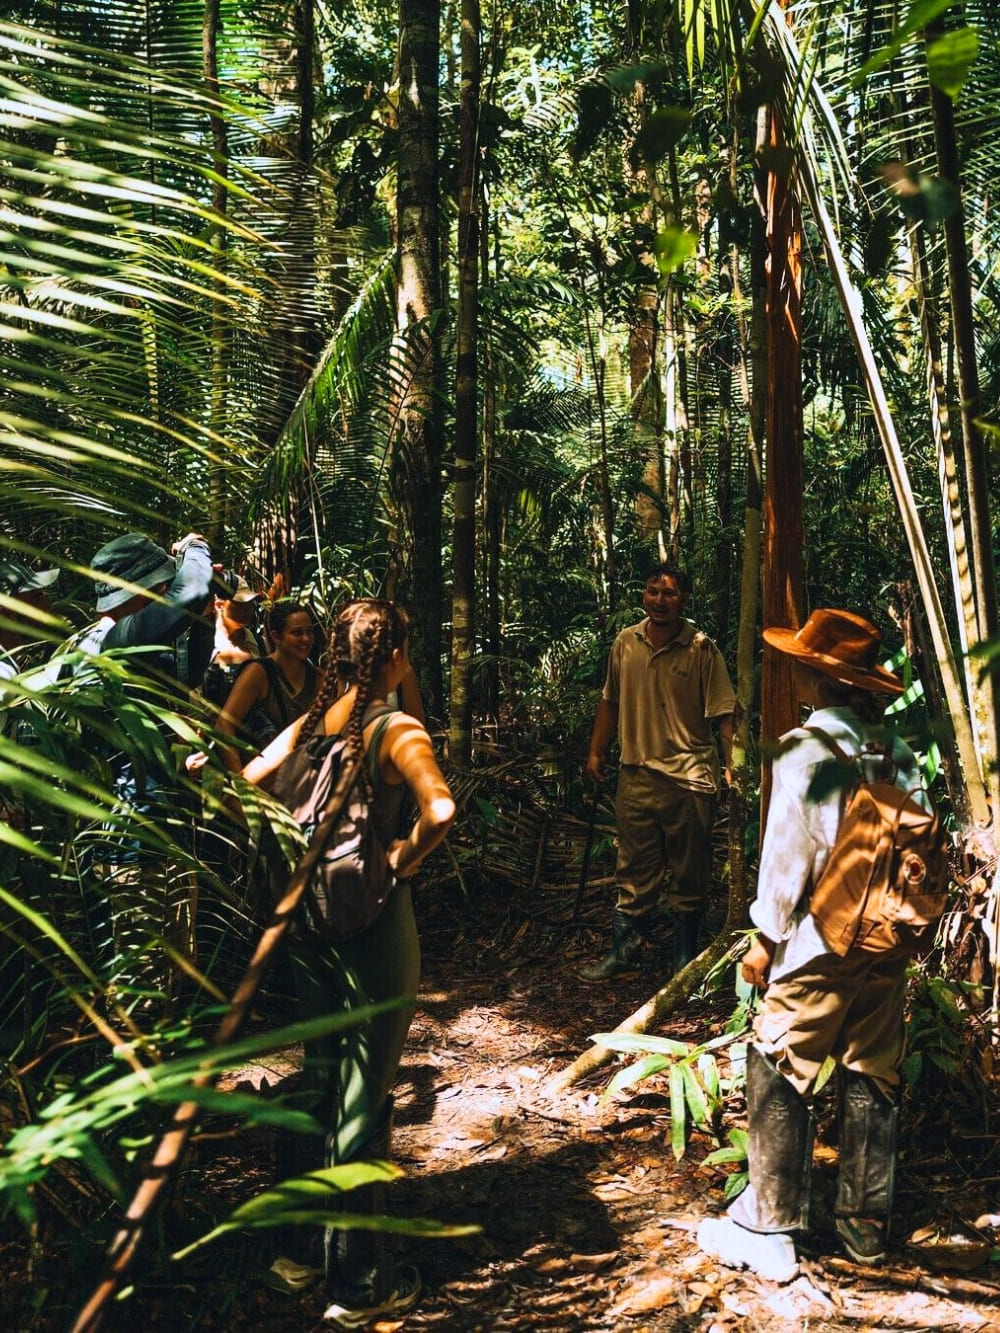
{"x": 588, "y": 848}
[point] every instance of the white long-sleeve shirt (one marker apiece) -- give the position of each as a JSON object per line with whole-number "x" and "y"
{"x": 802, "y": 821}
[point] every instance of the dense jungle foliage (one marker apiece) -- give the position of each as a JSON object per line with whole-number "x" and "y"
{"x": 476, "y": 307}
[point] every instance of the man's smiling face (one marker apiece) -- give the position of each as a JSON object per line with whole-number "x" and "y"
{"x": 663, "y": 601}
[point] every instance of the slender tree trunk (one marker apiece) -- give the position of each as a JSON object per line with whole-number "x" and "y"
{"x": 951, "y": 495}
{"x": 463, "y": 595}
{"x": 751, "y": 351}
{"x": 910, "y": 516}
{"x": 647, "y": 408}
{"x": 218, "y": 491}
{"x": 417, "y": 443}
{"x": 975, "y": 460}
{"x": 783, "y": 536}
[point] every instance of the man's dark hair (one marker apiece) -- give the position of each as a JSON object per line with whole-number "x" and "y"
{"x": 663, "y": 570}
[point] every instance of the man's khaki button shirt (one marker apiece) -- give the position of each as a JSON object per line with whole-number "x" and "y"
{"x": 666, "y": 699}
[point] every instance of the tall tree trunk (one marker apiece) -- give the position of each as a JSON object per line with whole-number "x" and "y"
{"x": 751, "y": 352}
{"x": 975, "y": 461}
{"x": 463, "y": 587}
{"x": 417, "y": 444}
{"x": 783, "y": 536}
{"x": 910, "y": 515}
{"x": 646, "y": 392}
{"x": 218, "y": 491}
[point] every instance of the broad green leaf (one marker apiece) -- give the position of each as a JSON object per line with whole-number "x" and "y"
{"x": 625, "y": 1078}
{"x": 735, "y": 1185}
{"x": 708, "y": 1069}
{"x": 722, "y": 1156}
{"x": 678, "y": 1113}
{"x": 672, "y": 248}
{"x": 640, "y": 1043}
{"x": 694, "y": 1094}
{"x": 950, "y": 58}
{"x": 317, "y": 1185}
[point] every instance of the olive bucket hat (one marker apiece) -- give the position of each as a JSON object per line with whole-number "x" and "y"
{"x": 132, "y": 558}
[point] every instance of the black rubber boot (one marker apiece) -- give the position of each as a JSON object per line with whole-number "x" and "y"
{"x": 686, "y": 927}
{"x": 779, "y": 1151}
{"x": 363, "y": 1282}
{"x": 867, "y": 1175}
{"x": 627, "y": 936}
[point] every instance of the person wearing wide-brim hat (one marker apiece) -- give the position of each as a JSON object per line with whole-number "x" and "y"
{"x": 818, "y": 1003}
{"x": 147, "y": 597}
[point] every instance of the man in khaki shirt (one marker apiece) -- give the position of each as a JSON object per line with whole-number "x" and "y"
{"x": 666, "y": 684}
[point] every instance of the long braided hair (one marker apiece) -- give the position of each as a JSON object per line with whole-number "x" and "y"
{"x": 362, "y": 639}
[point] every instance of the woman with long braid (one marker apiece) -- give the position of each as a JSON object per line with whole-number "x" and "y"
{"x": 348, "y": 1076}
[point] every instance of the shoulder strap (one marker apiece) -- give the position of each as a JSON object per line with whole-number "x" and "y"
{"x": 836, "y": 750}
{"x": 381, "y": 714}
{"x": 870, "y": 754}
{"x": 273, "y": 673}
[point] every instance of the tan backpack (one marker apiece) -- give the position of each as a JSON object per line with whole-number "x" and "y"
{"x": 885, "y": 883}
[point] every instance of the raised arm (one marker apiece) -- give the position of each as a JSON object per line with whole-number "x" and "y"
{"x": 408, "y": 752}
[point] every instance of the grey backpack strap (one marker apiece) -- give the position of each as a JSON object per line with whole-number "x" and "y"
{"x": 380, "y": 714}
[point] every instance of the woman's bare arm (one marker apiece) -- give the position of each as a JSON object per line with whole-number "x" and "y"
{"x": 409, "y": 752}
{"x": 261, "y": 766}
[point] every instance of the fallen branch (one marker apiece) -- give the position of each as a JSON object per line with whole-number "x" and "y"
{"x": 910, "y": 1278}
{"x": 677, "y": 990}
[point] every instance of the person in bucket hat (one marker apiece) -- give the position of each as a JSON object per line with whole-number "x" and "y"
{"x": 148, "y": 597}
{"x": 19, "y": 584}
{"x": 817, "y": 1003}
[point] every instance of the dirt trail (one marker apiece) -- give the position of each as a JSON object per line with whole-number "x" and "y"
{"x": 587, "y": 1218}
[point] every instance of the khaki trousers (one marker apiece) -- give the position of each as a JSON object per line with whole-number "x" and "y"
{"x": 662, "y": 827}
{"x": 850, "y": 1008}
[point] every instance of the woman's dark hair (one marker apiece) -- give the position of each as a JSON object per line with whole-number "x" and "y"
{"x": 362, "y": 639}
{"x": 278, "y": 615}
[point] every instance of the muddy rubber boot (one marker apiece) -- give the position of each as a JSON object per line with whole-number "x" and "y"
{"x": 867, "y": 1175}
{"x": 627, "y": 936}
{"x": 686, "y": 927}
{"x": 363, "y": 1283}
{"x": 779, "y": 1152}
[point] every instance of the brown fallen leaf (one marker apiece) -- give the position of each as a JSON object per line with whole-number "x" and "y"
{"x": 645, "y": 1295}
{"x": 593, "y": 1263}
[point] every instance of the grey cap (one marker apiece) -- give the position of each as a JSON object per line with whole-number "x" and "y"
{"x": 16, "y": 578}
{"x": 133, "y": 558}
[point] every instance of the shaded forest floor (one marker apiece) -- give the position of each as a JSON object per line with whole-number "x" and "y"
{"x": 587, "y": 1220}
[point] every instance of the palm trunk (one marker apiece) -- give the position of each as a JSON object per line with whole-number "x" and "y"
{"x": 417, "y": 416}
{"x": 218, "y": 491}
{"x": 752, "y": 352}
{"x": 974, "y": 456}
{"x": 463, "y": 595}
{"x": 783, "y": 536}
{"x": 899, "y": 477}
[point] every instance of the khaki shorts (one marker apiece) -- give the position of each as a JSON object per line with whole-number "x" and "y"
{"x": 850, "y": 1008}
